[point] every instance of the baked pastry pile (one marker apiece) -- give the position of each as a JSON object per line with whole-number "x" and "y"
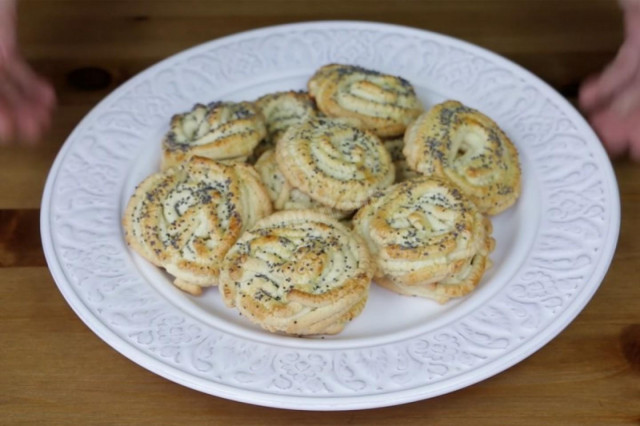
{"x": 294, "y": 202}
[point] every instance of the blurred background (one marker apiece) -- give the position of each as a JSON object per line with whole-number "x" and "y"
{"x": 87, "y": 48}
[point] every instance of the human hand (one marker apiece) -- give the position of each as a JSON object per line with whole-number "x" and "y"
{"x": 611, "y": 100}
{"x": 26, "y": 100}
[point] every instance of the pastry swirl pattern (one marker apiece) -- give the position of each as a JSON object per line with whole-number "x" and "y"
{"x": 454, "y": 141}
{"x": 282, "y": 110}
{"x": 426, "y": 238}
{"x": 186, "y": 218}
{"x": 220, "y": 131}
{"x": 382, "y": 103}
{"x": 403, "y": 171}
{"x": 297, "y": 272}
{"x": 284, "y": 195}
{"x": 334, "y": 163}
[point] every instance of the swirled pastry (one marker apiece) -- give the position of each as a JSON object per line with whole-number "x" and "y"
{"x": 284, "y": 195}
{"x": 403, "y": 171}
{"x": 297, "y": 272}
{"x": 426, "y": 238}
{"x": 466, "y": 146}
{"x": 334, "y": 163}
{"x": 383, "y": 104}
{"x": 282, "y": 110}
{"x": 220, "y": 131}
{"x": 186, "y": 218}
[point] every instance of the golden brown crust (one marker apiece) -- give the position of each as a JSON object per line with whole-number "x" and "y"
{"x": 382, "y": 103}
{"x": 427, "y": 239}
{"x": 219, "y": 131}
{"x": 467, "y": 147}
{"x": 334, "y": 163}
{"x": 284, "y": 195}
{"x": 186, "y": 218}
{"x": 297, "y": 272}
{"x": 282, "y": 110}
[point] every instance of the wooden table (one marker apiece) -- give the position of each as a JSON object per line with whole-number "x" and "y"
{"x": 54, "y": 370}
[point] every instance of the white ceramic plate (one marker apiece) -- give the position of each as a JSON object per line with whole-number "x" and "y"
{"x": 553, "y": 247}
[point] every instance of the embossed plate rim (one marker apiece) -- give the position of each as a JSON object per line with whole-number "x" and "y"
{"x": 369, "y": 397}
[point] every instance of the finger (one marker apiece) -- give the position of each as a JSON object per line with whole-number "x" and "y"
{"x": 42, "y": 110}
{"x": 45, "y": 93}
{"x": 44, "y": 117}
{"x": 623, "y": 69}
{"x": 31, "y": 85}
{"x": 615, "y": 76}
{"x": 628, "y": 100}
{"x": 36, "y": 111}
{"x": 588, "y": 93}
{"x": 612, "y": 130}
{"x": 21, "y": 117}
{"x": 28, "y": 127}
{"x": 614, "y": 141}
{"x": 616, "y": 148}
{"x": 30, "y": 98}
{"x": 38, "y": 99}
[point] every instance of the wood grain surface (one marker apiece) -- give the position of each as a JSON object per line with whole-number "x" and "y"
{"x": 54, "y": 370}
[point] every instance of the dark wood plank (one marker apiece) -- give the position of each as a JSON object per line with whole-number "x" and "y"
{"x": 549, "y": 37}
{"x": 556, "y": 40}
{"x": 20, "y": 238}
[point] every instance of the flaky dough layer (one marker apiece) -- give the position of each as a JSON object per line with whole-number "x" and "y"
{"x": 286, "y": 196}
{"x": 382, "y": 103}
{"x": 297, "y": 272}
{"x": 467, "y": 147}
{"x": 219, "y": 131}
{"x": 426, "y": 238}
{"x": 334, "y": 163}
{"x": 186, "y": 218}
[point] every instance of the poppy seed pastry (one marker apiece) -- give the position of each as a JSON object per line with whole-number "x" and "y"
{"x": 186, "y": 218}
{"x": 297, "y": 272}
{"x": 284, "y": 195}
{"x": 282, "y": 110}
{"x": 219, "y": 131}
{"x": 462, "y": 144}
{"x": 382, "y": 103}
{"x": 403, "y": 171}
{"x": 426, "y": 239}
{"x": 334, "y": 163}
